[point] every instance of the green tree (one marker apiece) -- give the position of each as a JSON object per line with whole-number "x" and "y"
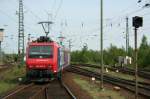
{"x": 111, "y": 54}
{"x": 143, "y": 53}
{"x": 144, "y": 43}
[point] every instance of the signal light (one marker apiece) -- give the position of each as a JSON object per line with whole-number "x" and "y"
{"x": 137, "y": 21}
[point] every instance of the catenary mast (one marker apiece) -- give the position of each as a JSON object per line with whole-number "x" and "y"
{"x": 21, "y": 29}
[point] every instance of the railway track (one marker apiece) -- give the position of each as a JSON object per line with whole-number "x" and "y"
{"x": 59, "y": 91}
{"x": 6, "y": 66}
{"x": 144, "y": 89}
{"x": 141, "y": 73}
{"x": 53, "y": 90}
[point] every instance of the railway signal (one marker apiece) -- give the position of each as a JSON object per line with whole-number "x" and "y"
{"x": 137, "y": 22}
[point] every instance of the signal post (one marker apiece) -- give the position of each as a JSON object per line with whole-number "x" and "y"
{"x": 137, "y": 22}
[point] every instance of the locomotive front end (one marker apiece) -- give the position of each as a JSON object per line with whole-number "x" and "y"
{"x": 40, "y": 61}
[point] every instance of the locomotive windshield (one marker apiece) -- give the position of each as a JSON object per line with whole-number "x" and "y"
{"x": 40, "y": 52}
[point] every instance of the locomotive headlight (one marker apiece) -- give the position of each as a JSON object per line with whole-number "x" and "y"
{"x": 30, "y": 66}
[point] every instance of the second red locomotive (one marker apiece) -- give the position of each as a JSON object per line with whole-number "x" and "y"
{"x": 45, "y": 59}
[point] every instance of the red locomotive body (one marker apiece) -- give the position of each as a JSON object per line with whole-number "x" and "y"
{"x": 45, "y": 59}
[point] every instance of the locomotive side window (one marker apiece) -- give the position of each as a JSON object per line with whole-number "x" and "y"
{"x": 40, "y": 52}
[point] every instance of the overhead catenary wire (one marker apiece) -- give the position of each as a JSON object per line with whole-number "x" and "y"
{"x": 15, "y": 20}
{"x": 33, "y": 13}
{"x": 120, "y": 16}
{"x": 57, "y": 11}
{"x": 53, "y": 6}
{"x": 108, "y": 26}
{"x": 114, "y": 19}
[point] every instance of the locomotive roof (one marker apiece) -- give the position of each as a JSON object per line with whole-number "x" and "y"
{"x": 43, "y": 43}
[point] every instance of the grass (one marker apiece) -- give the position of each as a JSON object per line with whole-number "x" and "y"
{"x": 6, "y": 86}
{"x": 95, "y": 91}
{"x": 8, "y": 78}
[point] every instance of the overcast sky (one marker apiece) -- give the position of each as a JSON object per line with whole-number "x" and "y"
{"x": 78, "y": 20}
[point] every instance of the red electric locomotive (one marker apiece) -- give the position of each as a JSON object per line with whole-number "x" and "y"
{"x": 45, "y": 59}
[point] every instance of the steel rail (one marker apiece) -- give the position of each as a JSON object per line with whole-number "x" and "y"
{"x": 129, "y": 86}
{"x": 18, "y": 90}
{"x": 142, "y": 73}
{"x": 69, "y": 91}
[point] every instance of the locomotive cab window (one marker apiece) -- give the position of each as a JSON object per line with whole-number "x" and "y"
{"x": 40, "y": 52}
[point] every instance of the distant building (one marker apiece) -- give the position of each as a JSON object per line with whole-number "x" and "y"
{"x": 124, "y": 60}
